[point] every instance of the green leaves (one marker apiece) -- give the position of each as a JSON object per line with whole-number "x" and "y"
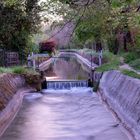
{"x": 116, "y": 3}
{"x": 19, "y": 20}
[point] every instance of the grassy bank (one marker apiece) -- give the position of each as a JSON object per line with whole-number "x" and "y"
{"x": 112, "y": 62}
{"x": 31, "y": 77}
{"x": 131, "y": 73}
{"x": 17, "y": 70}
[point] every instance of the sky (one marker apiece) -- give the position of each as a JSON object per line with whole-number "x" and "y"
{"x": 51, "y": 16}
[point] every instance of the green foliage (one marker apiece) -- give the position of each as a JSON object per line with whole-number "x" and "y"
{"x": 5, "y": 70}
{"x": 17, "y": 70}
{"x": 131, "y": 74}
{"x": 19, "y": 20}
{"x": 108, "y": 67}
{"x": 135, "y": 64}
{"x": 113, "y": 62}
{"x": 92, "y": 25}
{"x": 111, "y": 44}
{"x": 106, "y": 20}
{"x": 130, "y": 56}
{"x": 116, "y": 4}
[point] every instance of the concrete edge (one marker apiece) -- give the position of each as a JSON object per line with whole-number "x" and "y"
{"x": 8, "y": 114}
{"x": 107, "y": 101}
{"x": 127, "y": 129}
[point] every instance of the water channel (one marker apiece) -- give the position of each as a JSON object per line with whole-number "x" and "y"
{"x": 75, "y": 114}
{"x": 64, "y": 115}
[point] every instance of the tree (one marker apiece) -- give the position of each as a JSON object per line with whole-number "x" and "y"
{"x": 19, "y": 20}
{"x": 106, "y": 21}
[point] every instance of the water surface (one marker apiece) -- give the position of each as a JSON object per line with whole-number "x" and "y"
{"x": 64, "y": 115}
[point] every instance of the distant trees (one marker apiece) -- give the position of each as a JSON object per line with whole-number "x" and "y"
{"x": 115, "y": 23}
{"x": 19, "y": 19}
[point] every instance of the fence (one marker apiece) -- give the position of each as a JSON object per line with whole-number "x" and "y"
{"x": 8, "y": 58}
{"x": 12, "y": 58}
{"x": 36, "y": 59}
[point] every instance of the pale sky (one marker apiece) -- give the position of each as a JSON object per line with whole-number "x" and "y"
{"x": 52, "y": 17}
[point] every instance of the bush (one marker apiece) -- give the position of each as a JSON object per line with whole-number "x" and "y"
{"x": 111, "y": 45}
{"x": 130, "y": 56}
{"x": 5, "y": 70}
{"x": 108, "y": 67}
{"x": 112, "y": 62}
{"x": 19, "y": 70}
{"x": 135, "y": 64}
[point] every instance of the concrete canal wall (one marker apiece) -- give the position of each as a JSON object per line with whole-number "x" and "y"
{"x": 9, "y": 84}
{"x": 12, "y": 90}
{"x": 122, "y": 94}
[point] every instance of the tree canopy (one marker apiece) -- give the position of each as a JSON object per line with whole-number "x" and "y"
{"x": 110, "y": 22}
{"x": 19, "y": 19}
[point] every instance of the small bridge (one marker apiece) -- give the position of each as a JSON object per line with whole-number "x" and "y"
{"x": 86, "y": 64}
{"x": 46, "y": 61}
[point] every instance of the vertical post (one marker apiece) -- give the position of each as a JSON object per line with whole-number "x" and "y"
{"x": 92, "y": 63}
{"x": 33, "y": 57}
{"x": 29, "y": 63}
{"x": 100, "y": 57}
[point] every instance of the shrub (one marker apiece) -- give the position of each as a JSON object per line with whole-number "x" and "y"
{"x": 107, "y": 67}
{"x": 135, "y": 64}
{"x": 112, "y": 62}
{"x": 5, "y": 70}
{"x": 130, "y": 56}
{"x": 19, "y": 70}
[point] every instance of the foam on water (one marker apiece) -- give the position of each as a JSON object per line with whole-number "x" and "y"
{"x": 33, "y": 96}
{"x": 80, "y": 90}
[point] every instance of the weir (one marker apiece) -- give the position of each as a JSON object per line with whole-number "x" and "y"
{"x": 63, "y": 84}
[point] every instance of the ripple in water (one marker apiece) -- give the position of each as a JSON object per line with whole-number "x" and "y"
{"x": 72, "y": 115}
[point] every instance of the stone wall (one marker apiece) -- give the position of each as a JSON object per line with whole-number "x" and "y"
{"x": 122, "y": 94}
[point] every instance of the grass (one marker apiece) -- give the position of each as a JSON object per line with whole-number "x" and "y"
{"x": 113, "y": 62}
{"x": 135, "y": 64}
{"x": 130, "y": 56}
{"x": 17, "y": 70}
{"x": 131, "y": 74}
{"x": 5, "y": 70}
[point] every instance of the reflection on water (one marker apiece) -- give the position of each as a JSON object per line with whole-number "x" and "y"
{"x": 67, "y": 67}
{"x": 70, "y": 115}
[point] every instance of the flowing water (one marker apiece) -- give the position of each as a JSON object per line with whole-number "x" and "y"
{"x": 75, "y": 114}
{"x": 63, "y": 84}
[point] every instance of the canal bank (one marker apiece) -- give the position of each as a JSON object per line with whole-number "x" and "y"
{"x": 121, "y": 93}
{"x": 12, "y": 90}
{"x": 64, "y": 115}
{"x": 111, "y": 88}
